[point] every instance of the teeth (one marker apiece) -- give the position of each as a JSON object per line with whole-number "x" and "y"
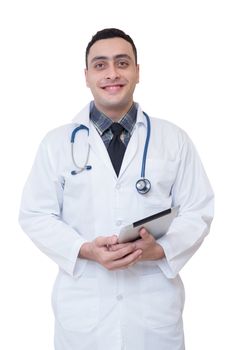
{"x": 112, "y": 86}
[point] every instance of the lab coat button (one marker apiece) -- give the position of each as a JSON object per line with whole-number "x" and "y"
{"x": 119, "y": 297}
{"x": 118, "y": 186}
{"x": 118, "y": 222}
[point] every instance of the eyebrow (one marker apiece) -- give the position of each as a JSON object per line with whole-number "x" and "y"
{"x": 106, "y": 58}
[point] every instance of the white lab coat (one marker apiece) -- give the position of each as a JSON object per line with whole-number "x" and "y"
{"x": 139, "y": 308}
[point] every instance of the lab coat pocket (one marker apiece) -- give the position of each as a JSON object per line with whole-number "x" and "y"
{"x": 76, "y": 303}
{"x": 162, "y": 300}
{"x": 162, "y": 174}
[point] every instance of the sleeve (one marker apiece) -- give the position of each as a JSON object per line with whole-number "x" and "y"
{"x": 193, "y": 194}
{"x": 40, "y": 214}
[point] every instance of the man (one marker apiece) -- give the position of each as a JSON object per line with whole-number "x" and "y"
{"x": 81, "y": 192}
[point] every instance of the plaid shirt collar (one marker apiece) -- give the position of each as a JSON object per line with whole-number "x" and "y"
{"x": 102, "y": 122}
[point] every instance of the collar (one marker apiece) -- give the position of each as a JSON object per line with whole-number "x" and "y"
{"x": 83, "y": 117}
{"x": 102, "y": 122}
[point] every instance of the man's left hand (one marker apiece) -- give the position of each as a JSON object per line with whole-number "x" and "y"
{"x": 151, "y": 250}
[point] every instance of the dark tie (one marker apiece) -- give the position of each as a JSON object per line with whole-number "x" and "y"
{"x": 116, "y": 148}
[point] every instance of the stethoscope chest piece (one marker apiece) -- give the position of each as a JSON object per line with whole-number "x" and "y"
{"x": 143, "y": 186}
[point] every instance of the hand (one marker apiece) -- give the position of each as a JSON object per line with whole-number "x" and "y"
{"x": 151, "y": 250}
{"x": 100, "y": 250}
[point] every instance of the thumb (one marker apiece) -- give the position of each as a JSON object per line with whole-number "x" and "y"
{"x": 144, "y": 233}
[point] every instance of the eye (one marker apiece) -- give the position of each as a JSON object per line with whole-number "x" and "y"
{"x": 99, "y": 65}
{"x": 123, "y": 64}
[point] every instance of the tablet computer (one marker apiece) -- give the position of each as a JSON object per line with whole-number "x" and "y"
{"x": 157, "y": 224}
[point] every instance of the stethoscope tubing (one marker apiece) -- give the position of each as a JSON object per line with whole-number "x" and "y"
{"x": 144, "y": 157}
{"x": 72, "y": 139}
{"x": 74, "y": 132}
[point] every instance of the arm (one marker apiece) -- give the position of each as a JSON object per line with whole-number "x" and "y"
{"x": 40, "y": 212}
{"x": 40, "y": 217}
{"x": 192, "y": 192}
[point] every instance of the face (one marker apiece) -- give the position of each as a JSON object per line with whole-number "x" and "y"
{"x": 112, "y": 75}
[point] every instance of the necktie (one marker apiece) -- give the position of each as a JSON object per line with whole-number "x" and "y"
{"x": 116, "y": 148}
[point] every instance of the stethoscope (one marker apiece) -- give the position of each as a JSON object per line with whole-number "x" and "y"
{"x": 143, "y": 185}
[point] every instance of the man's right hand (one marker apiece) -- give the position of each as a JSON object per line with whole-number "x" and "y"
{"x": 99, "y": 250}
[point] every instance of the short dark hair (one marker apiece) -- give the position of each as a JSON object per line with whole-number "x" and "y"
{"x": 109, "y": 33}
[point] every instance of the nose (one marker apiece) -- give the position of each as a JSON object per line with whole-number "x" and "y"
{"x": 112, "y": 72}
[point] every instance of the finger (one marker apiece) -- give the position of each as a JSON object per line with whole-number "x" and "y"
{"x": 127, "y": 261}
{"x": 105, "y": 241}
{"x": 122, "y": 252}
{"x": 135, "y": 261}
{"x": 118, "y": 246}
{"x": 144, "y": 233}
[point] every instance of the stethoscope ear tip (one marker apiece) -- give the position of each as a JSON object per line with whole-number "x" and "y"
{"x": 74, "y": 172}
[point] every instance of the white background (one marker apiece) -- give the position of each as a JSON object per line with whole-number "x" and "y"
{"x": 185, "y": 53}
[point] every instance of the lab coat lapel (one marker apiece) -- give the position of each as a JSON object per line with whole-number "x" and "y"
{"x": 132, "y": 148}
{"x": 98, "y": 147}
{"x": 130, "y": 152}
{"x": 83, "y": 117}
{"x": 96, "y": 144}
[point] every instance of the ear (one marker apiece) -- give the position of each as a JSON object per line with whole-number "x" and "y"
{"x": 86, "y": 76}
{"x": 138, "y": 71}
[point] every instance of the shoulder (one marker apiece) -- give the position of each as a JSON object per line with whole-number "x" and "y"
{"x": 55, "y": 146}
{"x": 168, "y": 140}
{"x": 168, "y": 131}
{"x": 59, "y": 135}
{"x": 161, "y": 127}
{"x": 63, "y": 133}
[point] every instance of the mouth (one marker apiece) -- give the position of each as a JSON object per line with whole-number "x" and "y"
{"x": 113, "y": 87}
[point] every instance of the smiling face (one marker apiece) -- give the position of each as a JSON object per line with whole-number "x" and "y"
{"x": 112, "y": 75}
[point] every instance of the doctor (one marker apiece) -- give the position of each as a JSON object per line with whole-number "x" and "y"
{"x": 109, "y": 295}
